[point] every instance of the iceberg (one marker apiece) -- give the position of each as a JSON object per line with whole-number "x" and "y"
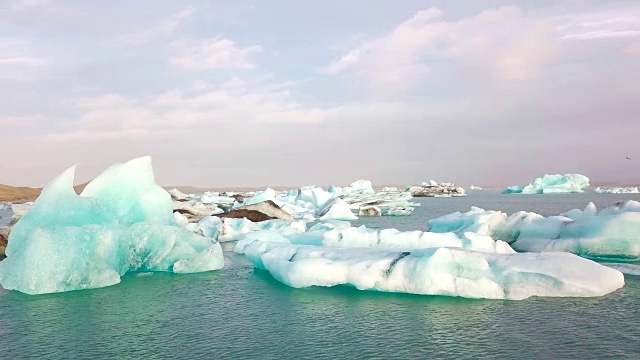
{"x": 231, "y": 229}
{"x": 611, "y": 234}
{"x": 552, "y": 184}
{"x": 308, "y": 202}
{"x": 440, "y": 271}
{"x": 6, "y": 213}
{"x": 122, "y": 222}
{"x": 476, "y": 220}
{"x": 343, "y": 235}
{"x": 617, "y": 190}
{"x": 433, "y": 189}
{"x": 336, "y": 209}
{"x": 358, "y": 187}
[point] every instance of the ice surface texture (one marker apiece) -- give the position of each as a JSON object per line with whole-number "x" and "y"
{"x": 122, "y": 222}
{"x": 552, "y": 184}
{"x": 440, "y": 271}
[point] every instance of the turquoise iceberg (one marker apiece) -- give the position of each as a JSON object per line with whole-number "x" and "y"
{"x": 552, "y": 184}
{"x": 122, "y": 222}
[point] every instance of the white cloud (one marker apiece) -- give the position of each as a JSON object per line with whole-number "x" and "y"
{"x": 163, "y": 28}
{"x": 198, "y": 108}
{"x": 214, "y": 53}
{"x": 602, "y": 34}
{"x": 506, "y": 42}
{"x": 18, "y": 62}
{"x": 599, "y": 25}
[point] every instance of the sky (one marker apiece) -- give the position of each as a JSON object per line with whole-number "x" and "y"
{"x": 248, "y": 93}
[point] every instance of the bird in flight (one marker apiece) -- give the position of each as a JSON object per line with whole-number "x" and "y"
{"x": 628, "y": 158}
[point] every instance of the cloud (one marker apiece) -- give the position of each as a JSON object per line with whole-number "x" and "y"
{"x": 602, "y": 34}
{"x": 184, "y": 110}
{"x": 214, "y": 53}
{"x": 163, "y": 28}
{"x": 505, "y": 42}
{"x": 600, "y": 25}
{"x": 18, "y": 62}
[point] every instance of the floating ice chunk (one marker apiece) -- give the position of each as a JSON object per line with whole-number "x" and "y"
{"x": 476, "y": 220}
{"x": 472, "y": 187}
{"x": 230, "y": 229}
{"x": 430, "y": 183}
{"x": 359, "y": 187}
{"x": 516, "y": 189}
{"x": 123, "y": 222}
{"x": 216, "y": 199}
{"x": 6, "y": 213}
{"x": 317, "y": 197}
{"x": 602, "y": 237}
{"x": 181, "y": 220}
{"x": 552, "y": 184}
{"x": 336, "y": 209}
{"x": 616, "y": 190}
{"x": 589, "y": 210}
{"x": 390, "y": 189}
{"x": 268, "y": 194}
{"x": 629, "y": 269}
{"x": 397, "y": 211}
{"x": 196, "y": 208}
{"x": 330, "y": 225}
{"x": 337, "y": 235}
{"x": 177, "y": 194}
{"x": 611, "y": 234}
{"x": 369, "y": 211}
{"x": 441, "y": 271}
{"x": 618, "y": 208}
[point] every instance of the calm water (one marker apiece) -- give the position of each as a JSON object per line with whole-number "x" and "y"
{"x": 239, "y": 312}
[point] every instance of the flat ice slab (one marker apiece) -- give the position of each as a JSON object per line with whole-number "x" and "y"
{"x": 441, "y": 271}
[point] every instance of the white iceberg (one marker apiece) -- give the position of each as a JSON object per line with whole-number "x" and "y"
{"x": 336, "y": 209}
{"x": 343, "y": 235}
{"x": 552, "y": 184}
{"x": 122, "y": 222}
{"x": 441, "y": 271}
{"x": 476, "y": 220}
{"x": 616, "y": 190}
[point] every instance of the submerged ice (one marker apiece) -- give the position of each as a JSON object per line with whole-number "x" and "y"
{"x": 437, "y": 271}
{"x": 122, "y": 222}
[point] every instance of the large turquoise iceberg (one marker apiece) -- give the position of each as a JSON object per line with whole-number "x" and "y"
{"x": 122, "y": 222}
{"x": 552, "y": 184}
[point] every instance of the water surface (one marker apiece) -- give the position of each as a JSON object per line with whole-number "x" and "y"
{"x": 239, "y": 312}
